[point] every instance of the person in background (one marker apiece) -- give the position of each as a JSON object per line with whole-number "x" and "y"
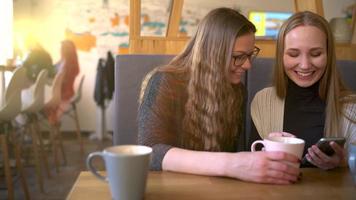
{"x": 37, "y": 59}
{"x": 69, "y": 66}
{"x": 308, "y": 98}
{"x": 191, "y": 110}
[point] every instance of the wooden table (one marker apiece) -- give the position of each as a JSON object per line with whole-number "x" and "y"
{"x": 315, "y": 184}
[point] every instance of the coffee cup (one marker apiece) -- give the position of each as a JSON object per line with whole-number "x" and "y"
{"x": 127, "y": 168}
{"x": 289, "y": 145}
{"x": 352, "y": 160}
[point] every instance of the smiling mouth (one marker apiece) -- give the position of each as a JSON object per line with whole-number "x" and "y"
{"x": 304, "y": 74}
{"x": 238, "y": 72}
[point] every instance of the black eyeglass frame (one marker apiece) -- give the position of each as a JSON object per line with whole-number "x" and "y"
{"x": 241, "y": 59}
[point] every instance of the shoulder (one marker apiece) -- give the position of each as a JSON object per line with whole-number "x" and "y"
{"x": 267, "y": 98}
{"x": 161, "y": 79}
{"x": 265, "y": 94}
{"x": 349, "y": 108}
{"x": 157, "y": 81}
{"x": 150, "y": 83}
{"x": 153, "y": 78}
{"x": 265, "y": 91}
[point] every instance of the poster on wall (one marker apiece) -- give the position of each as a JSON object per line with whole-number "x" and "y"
{"x": 104, "y": 25}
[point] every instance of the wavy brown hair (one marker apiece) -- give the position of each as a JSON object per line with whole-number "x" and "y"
{"x": 213, "y": 112}
{"x": 331, "y": 88}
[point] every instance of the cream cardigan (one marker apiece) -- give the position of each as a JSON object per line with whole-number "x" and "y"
{"x": 267, "y": 112}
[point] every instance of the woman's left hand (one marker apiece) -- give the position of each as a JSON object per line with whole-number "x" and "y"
{"x": 323, "y": 161}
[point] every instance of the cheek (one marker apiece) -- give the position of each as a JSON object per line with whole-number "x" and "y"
{"x": 320, "y": 62}
{"x": 289, "y": 62}
{"x": 232, "y": 66}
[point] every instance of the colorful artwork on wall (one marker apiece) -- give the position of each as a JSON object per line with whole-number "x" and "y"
{"x": 91, "y": 24}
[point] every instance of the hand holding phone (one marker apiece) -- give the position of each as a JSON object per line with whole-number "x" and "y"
{"x": 324, "y": 144}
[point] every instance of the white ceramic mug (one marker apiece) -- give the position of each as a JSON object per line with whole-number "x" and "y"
{"x": 289, "y": 145}
{"x": 127, "y": 168}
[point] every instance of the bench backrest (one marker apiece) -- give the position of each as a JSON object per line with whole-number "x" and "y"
{"x": 129, "y": 72}
{"x": 131, "y": 69}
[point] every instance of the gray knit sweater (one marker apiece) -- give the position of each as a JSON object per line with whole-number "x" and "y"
{"x": 161, "y": 114}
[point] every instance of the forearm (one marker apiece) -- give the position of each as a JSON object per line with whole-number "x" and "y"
{"x": 261, "y": 167}
{"x": 195, "y": 162}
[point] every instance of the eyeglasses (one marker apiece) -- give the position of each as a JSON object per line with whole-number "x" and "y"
{"x": 241, "y": 59}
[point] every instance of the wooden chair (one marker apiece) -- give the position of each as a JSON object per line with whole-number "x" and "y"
{"x": 10, "y": 109}
{"x": 51, "y": 105}
{"x": 73, "y": 113}
{"x": 30, "y": 110}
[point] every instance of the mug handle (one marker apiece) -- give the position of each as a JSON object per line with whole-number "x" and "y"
{"x": 253, "y": 146}
{"x": 92, "y": 169}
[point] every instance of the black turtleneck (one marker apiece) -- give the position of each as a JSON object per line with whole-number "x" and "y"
{"x": 304, "y": 113}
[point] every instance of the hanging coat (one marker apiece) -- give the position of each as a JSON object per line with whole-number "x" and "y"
{"x": 99, "y": 91}
{"x": 110, "y": 72}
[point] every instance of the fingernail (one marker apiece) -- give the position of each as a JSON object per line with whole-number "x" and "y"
{"x": 300, "y": 176}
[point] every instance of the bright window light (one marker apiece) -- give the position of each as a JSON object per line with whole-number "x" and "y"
{"x": 6, "y": 16}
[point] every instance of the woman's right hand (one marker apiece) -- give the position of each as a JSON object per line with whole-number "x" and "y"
{"x": 262, "y": 167}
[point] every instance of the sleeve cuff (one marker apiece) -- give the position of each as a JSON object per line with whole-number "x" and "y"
{"x": 159, "y": 151}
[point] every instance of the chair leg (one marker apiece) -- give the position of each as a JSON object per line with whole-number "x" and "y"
{"x": 78, "y": 130}
{"x": 21, "y": 171}
{"x": 37, "y": 157}
{"x": 59, "y": 134}
{"x": 43, "y": 152}
{"x": 54, "y": 148}
{"x": 7, "y": 170}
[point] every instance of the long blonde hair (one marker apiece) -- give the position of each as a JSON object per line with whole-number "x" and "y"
{"x": 331, "y": 88}
{"x": 213, "y": 112}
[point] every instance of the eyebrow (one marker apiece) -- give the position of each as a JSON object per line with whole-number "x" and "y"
{"x": 312, "y": 49}
{"x": 243, "y": 52}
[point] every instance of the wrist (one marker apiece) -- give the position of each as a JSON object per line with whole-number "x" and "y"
{"x": 229, "y": 164}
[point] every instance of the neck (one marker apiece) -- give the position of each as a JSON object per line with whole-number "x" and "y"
{"x": 302, "y": 92}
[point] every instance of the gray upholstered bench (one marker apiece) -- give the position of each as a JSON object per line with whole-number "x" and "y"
{"x": 131, "y": 69}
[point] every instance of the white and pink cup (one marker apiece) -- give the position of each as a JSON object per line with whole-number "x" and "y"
{"x": 289, "y": 145}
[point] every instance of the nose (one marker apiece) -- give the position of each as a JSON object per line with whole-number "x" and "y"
{"x": 305, "y": 62}
{"x": 247, "y": 64}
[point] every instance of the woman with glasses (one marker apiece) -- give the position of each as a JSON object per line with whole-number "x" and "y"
{"x": 191, "y": 110}
{"x": 308, "y": 97}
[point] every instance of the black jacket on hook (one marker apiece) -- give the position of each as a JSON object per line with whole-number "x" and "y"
{"x": 105, "y": 80}
{"x": 110, "y": 71}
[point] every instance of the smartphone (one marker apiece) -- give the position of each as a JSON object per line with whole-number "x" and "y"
{"x": 324, "y": 145}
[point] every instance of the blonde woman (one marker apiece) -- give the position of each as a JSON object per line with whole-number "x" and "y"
{"x": 308, "y": 97}
{"x": 191, "y": 112}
